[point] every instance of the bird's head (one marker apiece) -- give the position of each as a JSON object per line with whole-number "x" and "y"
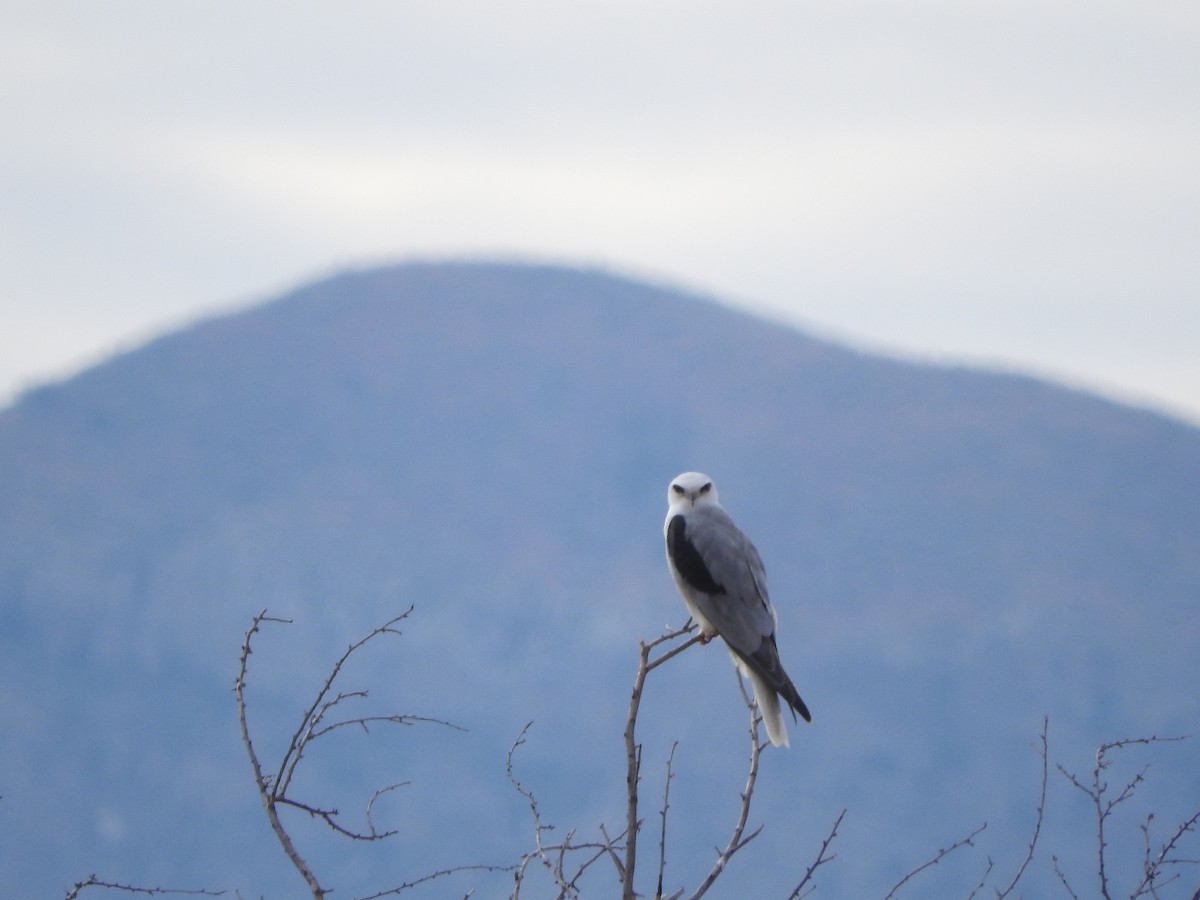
{"x": 689, "y": 490}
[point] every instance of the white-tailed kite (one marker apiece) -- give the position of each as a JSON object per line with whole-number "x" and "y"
{"x": 721, "y": 578}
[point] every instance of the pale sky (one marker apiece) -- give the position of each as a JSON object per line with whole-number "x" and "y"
{"x": 1015, "y": 184}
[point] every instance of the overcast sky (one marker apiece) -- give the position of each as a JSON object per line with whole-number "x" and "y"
{"x": 1012, "y": 183}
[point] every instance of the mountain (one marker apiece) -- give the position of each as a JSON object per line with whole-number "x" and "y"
{"x": 954, "y": 554}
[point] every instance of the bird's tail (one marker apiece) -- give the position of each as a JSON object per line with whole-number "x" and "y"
{"x": 768, "y": 705}
{"x": 792, "y": 696}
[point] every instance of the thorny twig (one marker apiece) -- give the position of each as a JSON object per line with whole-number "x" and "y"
{"x": 968, "y": 841}
{"x": 273, "y": 788}
{"x": 821, "y": 859}
{"x": 1153, "y": 864}
{"x": 624, "y": 856}
{"x": 553, "y": 856}
{"x": 93, "y": 881}
{"x": 736, "y": 839}
{"x": 1103, "y": 802}
{"x": 739, "y": 837}
{"x": 311, "y": 725}
{"x": 441, "y": 873}
{"x": 266, "y": 786}
{"x": 1038, "y": 818}
{"x": 633, "y": 750}
{"x": 982, "y": 883}
{"x": 666, "y": 805}
{"x": 1062, "y": 877}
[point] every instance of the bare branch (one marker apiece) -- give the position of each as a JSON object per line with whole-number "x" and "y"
{"x": 674, "y": 651}
{"x": 329, "y": 817}
{"x": 624, "y": 858}
{"x": 267, "y": 787}
{"x": 666, "y": 805}
{"x": 598, "y": 850}
{"x": 633, "y": 750}
{"x": 441, "y": 873}
{"x": 379, "y": 792}
{"x": 633, "y": 763}
{"x": 273, "y": 788}
{"x": 819, "y": 861}
{"x": 364, "y": 722}
{"x": 736, "y": 839}
{"x": 540, "y": 850}
{"x": 979, "y": 886}
{"x": 553, "y": 857}
{"x": 1104, "y": 804}
{"x": 305, "y": 732}
{"x": 1063, "y": 878}
{"x": 612, "y": 853}
{"x": 93, "y": 881}
{"x": 1153, "y": 867}
{"x": 1039, "y": 816}
{"x": 968, "y": 841}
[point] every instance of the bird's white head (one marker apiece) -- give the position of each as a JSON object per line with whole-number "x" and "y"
{"x": 689, "y": 490}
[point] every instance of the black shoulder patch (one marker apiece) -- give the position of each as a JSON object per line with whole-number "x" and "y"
{"x": 688, "y": 560}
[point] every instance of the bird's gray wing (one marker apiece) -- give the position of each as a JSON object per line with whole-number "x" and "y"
{"x": 740, "y": 611}
{"x": 729, "y": 587}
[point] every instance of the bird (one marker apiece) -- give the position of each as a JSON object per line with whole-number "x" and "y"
{"x": 723, "y": 583}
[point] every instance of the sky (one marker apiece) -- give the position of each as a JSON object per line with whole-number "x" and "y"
{"x": 1009, "y": 184}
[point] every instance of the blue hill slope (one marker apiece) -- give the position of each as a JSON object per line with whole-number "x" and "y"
{"x": 953, "y": 554}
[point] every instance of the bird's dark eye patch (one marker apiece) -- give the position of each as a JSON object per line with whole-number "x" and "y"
{"x": 706, "y": 488}
{"x": 677, "y": 489}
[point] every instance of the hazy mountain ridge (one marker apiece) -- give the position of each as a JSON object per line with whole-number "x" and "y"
{"x": 953, "y": 554}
